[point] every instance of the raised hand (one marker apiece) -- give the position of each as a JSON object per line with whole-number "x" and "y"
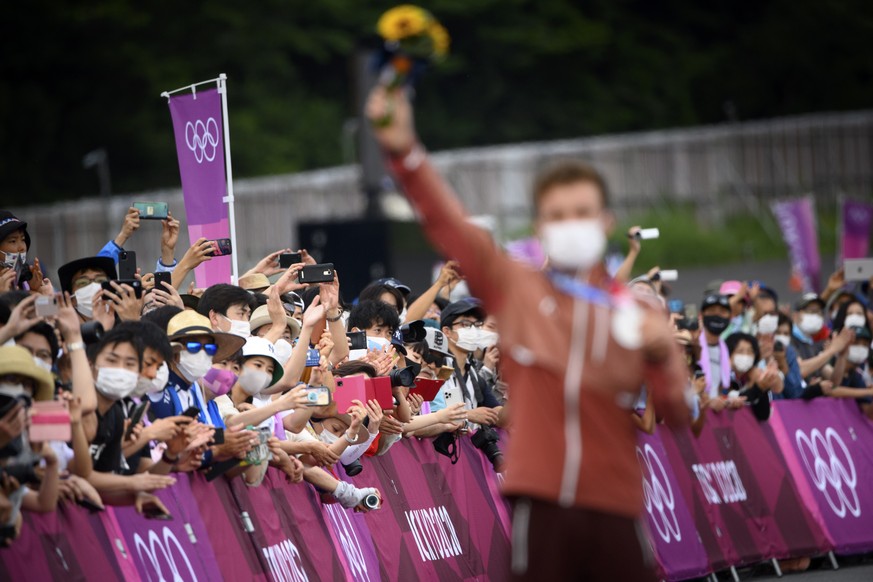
{"x": 128, "y": 226}
{"x": 390, "y": 113}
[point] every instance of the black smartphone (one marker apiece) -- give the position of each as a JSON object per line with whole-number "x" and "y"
{"x": 357, "y": 340}
{"x": 221, "y": 247}
{"x": 136, "y": 417}
{"x": 778, "y": 347}
{"x": 137, "y": 286}
{"x": 163, "y": 277}
{"x": 154, "y": 512}
{"x": 89, "y": 505}
{"x": 192, "y": 412}
{"x": 127, "y": 265}
{"x": 288, "y": 259}
{"x": 218, "y": 437}
{"x": 322, "y": 273}
{"x": 151, "y": 210}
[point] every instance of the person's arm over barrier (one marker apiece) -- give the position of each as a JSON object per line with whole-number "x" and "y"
{"x": 442, "y": 216}
{"x": 665, "y": 374}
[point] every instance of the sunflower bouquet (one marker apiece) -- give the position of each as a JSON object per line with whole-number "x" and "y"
{"x": 413, "y": 39}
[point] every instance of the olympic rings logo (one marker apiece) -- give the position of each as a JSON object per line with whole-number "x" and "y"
{"x": 155, "y": 545}
{"x": 202, "y": 139}
{"x": 831, "y": 469}
{"x": 658, "y": 495}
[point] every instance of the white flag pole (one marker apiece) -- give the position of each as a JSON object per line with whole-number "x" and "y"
{"x": 222, "y": 90}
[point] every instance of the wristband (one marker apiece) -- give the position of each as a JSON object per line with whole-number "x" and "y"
{"x": 168, "y": 460}
{"x": 339, "y": 315}
{"x": 75, "y": 346}
{"x": 350, "y": 440}
{"x": 414, "y": 158}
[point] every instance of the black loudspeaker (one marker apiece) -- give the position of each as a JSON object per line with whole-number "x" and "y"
{"x": 365, "y": 250}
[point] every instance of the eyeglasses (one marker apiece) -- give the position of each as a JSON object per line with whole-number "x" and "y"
{"x": 80, "y": 282}
{"x": 469, "y": 324}
{"x": 194, "y": 347}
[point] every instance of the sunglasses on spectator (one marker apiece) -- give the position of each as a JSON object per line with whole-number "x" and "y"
{"x": 80, "y": 282}
{"x": 194, "y": 347}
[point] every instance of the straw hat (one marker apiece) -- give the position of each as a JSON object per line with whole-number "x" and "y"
{"x": 190, "y": 324}
{"x": 17, "y": 360}
{"x": 254, "y": 282}
{"x": 261, "y": 317}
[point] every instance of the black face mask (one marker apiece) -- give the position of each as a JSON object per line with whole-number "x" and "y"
{"x": 715, "y": 324}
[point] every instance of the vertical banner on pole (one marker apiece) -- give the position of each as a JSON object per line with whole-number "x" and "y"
{"x": 856, "y": 220}
{"x": 796, "y": 218}
{"x": 200, "y": 147}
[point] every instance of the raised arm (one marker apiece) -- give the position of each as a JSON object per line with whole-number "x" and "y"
{"x": 443, "y": 218}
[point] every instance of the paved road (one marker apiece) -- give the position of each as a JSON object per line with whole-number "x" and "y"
{"x": 844, "y": 574}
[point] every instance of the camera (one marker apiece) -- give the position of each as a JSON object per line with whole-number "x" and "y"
{"x": 353, "y": 468}
{"x": 91, "y": 331}
{"x": 22, "y": 469}
{"x": 371, "y": 501}
{"x": 486, "y": 439}
{"x": 402, "y": 377}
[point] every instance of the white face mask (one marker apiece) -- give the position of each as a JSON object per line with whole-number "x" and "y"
{"x": 147, "y": 386}
{"x": 487, "y": 339}
{"x": 85, "y": 299}
{"x": 574, "y": 244}
{"x": 283, "y": 350}
{"x": 11, "y": 390}
{"x": 239, "y": 328}
{"x": 377, "y": 343}
{"x": 811, "y": 323}
{"x": 743, "y": 362}
{"x": 194, "y": 366}
{"x": 253, "y": 381}
{"x": 116, "y": 383}
{"x": 858, "y": 354}
{"x": 328, "y": 437}
{"x": 785, "y": 340}
{"x": 469, "y": 338}
{"x": 42, "y": 364}
{"x": 855, "y": 320}
{"x": 12, "y": 257}
{"x": 768, "y": 324}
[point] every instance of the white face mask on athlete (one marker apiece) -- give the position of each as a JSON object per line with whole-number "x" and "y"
{"x": 239, "y": 328}
{"x": 858, "y": 354}
{"x": 855, "y": 320}
{"x": 85, "y": 299}
{"x": 743, "y": 362}
{"x": 253, "y": 381}
{"x": 574, "y": 244}
{"x": 194, "y": 366}
{"x": 116, "y": 383}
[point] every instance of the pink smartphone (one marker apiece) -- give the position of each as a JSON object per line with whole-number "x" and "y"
{"x": 348, "y": 389}
{"x": 379, "y": 389}
{"x": 427, "y": 389}
{"x": 50, "y": 421}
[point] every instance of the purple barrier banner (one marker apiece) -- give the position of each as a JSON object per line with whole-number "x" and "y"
{"x": 796, "y": 218}
{"x": 197, "y": 125}
{"x": 678, "y": 549}
{"x": 175, "y": 549}
{"x": 741, "y": 494}
{"x": 828, "y": 446}
{"x": 857, "y": 221}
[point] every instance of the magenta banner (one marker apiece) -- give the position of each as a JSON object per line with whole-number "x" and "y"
{"x": 797, "y": 220}
{"x": 828, "y": 445}
{"x": 197, "y": 125}
{"x": 678, "y": 550}
{"x": 857, "y": 221}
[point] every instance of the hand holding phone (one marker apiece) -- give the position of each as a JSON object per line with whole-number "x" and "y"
{"x": 152, "y": 210}
{"x": 136, "y": 417}
{"x": 46, "y": 306}
{"x": 221, "y": 247}
{"x": 288, "y": 259}
{"x": 321, "y": 273}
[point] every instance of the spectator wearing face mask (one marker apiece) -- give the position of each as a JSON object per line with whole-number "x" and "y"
{"x": 196, "y": 345}
{"x": 377, "y": 319}
{"x": 852, "y": 313}
{"x": 752, "y": 380}
{"x": 854, "y": 383}
{"x": 15, "y": 272}
{"x": 83, "y": 278}
{"x": 462, "y": 323}
{"x": 580, "y": 347}
{"x": 814, "y": 356}
{"x": 777, "y": 348}
{"x": 715, "y": 312}
{"x": 228, "y": 308}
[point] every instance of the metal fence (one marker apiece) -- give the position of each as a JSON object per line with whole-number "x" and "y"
{"x": 719, "y": 170}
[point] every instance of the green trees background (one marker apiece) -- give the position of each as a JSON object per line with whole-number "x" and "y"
{"x": 75, "y": 76}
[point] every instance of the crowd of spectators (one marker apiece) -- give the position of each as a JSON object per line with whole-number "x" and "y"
{"x": 108, "y": 389}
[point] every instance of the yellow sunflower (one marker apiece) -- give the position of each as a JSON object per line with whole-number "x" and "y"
{"x": 403, "y": 21}
{"x": 440, "y": 38}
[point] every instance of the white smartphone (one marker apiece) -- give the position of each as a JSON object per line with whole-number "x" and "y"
{"x": 858, "y": 269}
